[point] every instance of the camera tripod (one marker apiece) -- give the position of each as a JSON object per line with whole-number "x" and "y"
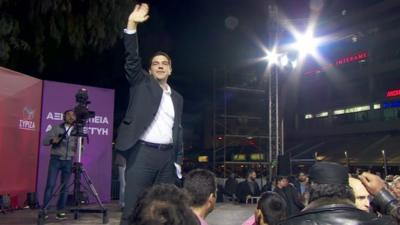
{"x": 78, "y": 171}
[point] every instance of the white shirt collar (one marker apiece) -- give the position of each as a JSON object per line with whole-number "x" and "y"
{"x": 168, "y": 91}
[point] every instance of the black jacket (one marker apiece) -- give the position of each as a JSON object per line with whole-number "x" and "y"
{"x": 144, "y": 100}
{"x": 292, "y": 199}
{"x": 335, "y": 214}
{"x": 243, "y": 190}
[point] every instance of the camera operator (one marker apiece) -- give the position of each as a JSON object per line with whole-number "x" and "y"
{"x": 63, "y": 147}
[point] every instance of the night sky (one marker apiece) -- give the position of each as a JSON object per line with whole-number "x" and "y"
{"x": 200, "y": 36}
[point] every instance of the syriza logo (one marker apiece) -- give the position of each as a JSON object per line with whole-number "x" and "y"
{"x": 28, "y": 116}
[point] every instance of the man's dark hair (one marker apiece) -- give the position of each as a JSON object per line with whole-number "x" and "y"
{"x": 200, "y": 184}
{"x": 339, "y": 191}
{"x": 65, "y": 113}
{"x": 279, "y": 178}
{"x": 160, "y": 53}
{"x": 273, "y": 207}
{"x": 163, "y": 204}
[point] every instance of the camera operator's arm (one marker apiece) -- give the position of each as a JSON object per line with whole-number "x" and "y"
{"x": 133, "y": 66}
{"x": 52, "y": 137}
{"x": 386, "y": 202}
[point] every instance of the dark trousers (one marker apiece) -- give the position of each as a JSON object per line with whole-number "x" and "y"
{"x": 55, "y": 166}
{"x": 145, "y": 166}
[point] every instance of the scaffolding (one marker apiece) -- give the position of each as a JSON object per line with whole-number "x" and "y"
{"x": 240, "y": 126}
{"x": 269, "y": 141}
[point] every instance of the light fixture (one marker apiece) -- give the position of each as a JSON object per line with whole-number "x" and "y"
{"x": 305, "y": 44}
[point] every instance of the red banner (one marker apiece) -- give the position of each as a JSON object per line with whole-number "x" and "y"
{"x": 20, "y": 110}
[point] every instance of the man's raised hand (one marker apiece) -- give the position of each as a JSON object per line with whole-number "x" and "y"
{"x": 138, "y": 15}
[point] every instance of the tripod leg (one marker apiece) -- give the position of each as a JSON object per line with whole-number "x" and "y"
{"x": 90, "y": 184}
{"x": 105, "y": 217}
{"x": 41, "y": 218}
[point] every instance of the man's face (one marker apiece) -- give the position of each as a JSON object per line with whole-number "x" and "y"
{"x": 160, "y": 68}
{"x": 396, "y": 189}
{"x": 253, "y": 176}
{"x": 283, "y": 183}
{"x": 360, "y": 193}
{"x": 302, "y": 177}
{"x": 70, "y": 117}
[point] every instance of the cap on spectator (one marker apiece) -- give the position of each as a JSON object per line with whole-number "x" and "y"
{"x": 329, "y": 173}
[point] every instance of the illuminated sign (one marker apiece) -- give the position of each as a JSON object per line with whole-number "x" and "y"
{"x": 257, "y": 156}
{"x": 393, "y": 93}
{"x": 202, "y": 158}
{"x": 391, "y": 104}
{"x": 239, "y": 157}
{"x": 353, "y": 58}
{"x": 357, "y": 109}
{"x": 338, "y": 112}
{"x": 345, "y": 111}
{"x": 361, "y": 56}
{"x": 323, "y": 114}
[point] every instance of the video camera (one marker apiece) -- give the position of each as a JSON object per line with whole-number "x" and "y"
{"x": 82, "y": 112}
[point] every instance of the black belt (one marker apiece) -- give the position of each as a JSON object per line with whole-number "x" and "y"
{"x": 156, "y": 146}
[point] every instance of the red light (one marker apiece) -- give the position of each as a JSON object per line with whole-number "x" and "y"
{"x": 393, "y": 93}
{"x": 353, "y": 58}
{"x": 344, "y": 60}
{"x": 219, "y": 138}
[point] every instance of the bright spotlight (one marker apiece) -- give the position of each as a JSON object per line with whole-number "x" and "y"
{"x": 306, "y": 44}
{"x": 272, "y": 57}
{"x": 284, "y": 60}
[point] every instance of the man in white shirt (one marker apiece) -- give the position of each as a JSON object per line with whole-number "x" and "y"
{"x": 150, "y": 135}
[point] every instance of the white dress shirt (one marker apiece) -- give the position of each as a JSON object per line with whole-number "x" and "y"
{"x": 68, "y": 128}
{"x": 160, "y": 129}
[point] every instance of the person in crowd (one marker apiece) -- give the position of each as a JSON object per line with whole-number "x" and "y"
{"x": 303, "y": 188}
{"x": 249, "y": 187}
{"x": 270, "y": 185}
{"x": 163, "y": 204}
{"x": 150, "y": 135}
{"x": 63, "y": 147}
{"x": 395, "y": 187}
{"x": 361, "y": 194}
{"x": 281, "y": 183}
{"x": 288, "y": 192}
{"x": 271, "y": 209}
{"x": 202, "y": 188}
{"x": 387, "y": 204}
{"x": 230, "y": 185}
{"x": 332, "y": 200}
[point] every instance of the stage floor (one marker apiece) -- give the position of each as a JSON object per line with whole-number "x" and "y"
{"x": 224, "y": 214}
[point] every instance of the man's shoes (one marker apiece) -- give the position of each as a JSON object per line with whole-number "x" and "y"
{"x": 61, "y": 216}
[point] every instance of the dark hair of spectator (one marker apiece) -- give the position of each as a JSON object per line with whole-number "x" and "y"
{"x": 163, "y": 204}
{"x": 279, "y": 178}
{"x": 339, "y": 191}
{"x": 273, "y": 207}
{"x": 200, "y": 183}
